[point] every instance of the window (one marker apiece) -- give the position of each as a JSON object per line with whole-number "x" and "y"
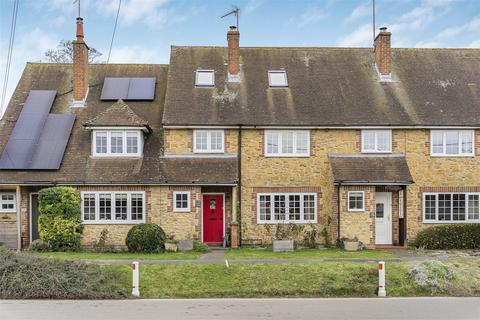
{"x": 286, "y": 207}
{"x": 452, "y": 143}
{"x": 7, "y": 202}
{"x": 287, "y": 143}
{"x": 181, "y": 201}
{"x": 379, "y": 141}
{"x": 113, "y": 207}
{"x": 277, "y": 78}
{"x": 116, "y": 143}
{"x": 356, "y": 201}
{"x": 208, "y": 141}
{"x": 451, "y": 207}
{"x": 204, "y": 78}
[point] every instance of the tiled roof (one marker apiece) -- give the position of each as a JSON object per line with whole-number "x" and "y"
{"x": 117, "y": 115}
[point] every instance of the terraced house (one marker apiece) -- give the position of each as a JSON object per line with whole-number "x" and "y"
{"x": 224, "y": 143}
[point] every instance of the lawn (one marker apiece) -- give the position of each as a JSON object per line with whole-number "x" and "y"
{"x": 254, "y": 253}
{"x": 187, "y": 255}
{"x": 326, "y": 279}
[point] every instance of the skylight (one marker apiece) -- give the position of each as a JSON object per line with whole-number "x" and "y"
{"x": 277, "y": 78}
{"x": 205, "y": 78}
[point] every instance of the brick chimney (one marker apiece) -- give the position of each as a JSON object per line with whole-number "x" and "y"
{"x": 233, "y": 38}
{"x": 80, "y": 66}
{"x": 383, "y": 52}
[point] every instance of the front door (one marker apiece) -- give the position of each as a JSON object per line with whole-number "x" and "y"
{"x": 383, "y": 218}
{"x": 213, "y": 218}
{"x": 34, "y": 217}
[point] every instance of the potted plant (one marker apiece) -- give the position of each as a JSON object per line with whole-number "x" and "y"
{"x": 284, "y": 237}
{"x": 171, "y": 243}
{"x": 351, "y": 244}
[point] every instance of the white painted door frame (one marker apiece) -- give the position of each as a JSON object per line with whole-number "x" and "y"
{"x": 383, "y": 225}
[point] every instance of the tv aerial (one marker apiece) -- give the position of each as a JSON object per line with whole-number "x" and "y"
{"x": 235, "y": 11}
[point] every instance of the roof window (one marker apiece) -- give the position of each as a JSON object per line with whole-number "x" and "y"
{"x": 205, "y": 78}
{"x": 277, "y": 78}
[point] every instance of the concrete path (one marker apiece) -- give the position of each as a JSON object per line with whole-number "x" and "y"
{"x": 235, "y": 309}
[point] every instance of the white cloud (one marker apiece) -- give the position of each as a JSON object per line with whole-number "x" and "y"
{"x": 475, "y": 44}
{"x": 427, "y": 44}
{"x": 309, "y": 17}
{"x": 472, "y": 25}
{"x": 361, "y": 37}
{"x": 360, "y": 11}
{"x": 134, "y": 54}
{"x": 30, "y": 46}
{"x": 252, "y": 5}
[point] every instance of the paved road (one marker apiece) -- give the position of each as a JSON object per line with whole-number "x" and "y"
{"x": 235, "y": 309}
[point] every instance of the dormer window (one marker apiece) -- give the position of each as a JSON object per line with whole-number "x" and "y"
{"x": 204, "y": 78}
{"x": 277, "y": 78}
{"x": 117, "y": 143}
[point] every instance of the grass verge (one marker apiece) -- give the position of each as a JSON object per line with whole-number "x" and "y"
{"x": 188, "y": 255}
{"x": 328, "y": 279}
{"x": 261, "y": 253}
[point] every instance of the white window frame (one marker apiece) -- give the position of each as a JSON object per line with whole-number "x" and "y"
{"x": 14, "y": 202}
{"x": 112, "y": 195}
{"x": 376, "y": 148}
{"x": 436, "y": 221}
{"x": 209, "y": 141}
{"x": 287, "y": 218}
{"x": 284, "y": 72}
{"x": 124, "y": 153}
{"x": 175, "y": 208}
{"x": 363, "y": 201}
{"x": 444, "y": 153}
{"x": 204, "y": 85}
{"x": 280, "y": 142}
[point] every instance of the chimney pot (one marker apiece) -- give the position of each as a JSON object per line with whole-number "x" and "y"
{"x": 383, "y": 52}
{"x": 233, "y": 39}
{"x": 80, "y": 28}
{"x": 80, "y": 66}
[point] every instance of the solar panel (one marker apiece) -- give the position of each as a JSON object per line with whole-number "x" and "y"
{"x": 53, "y": 141}
{"x": 128, "y": 88}
{"x": 141, "y": 89}
{"x": 21, "y": 144}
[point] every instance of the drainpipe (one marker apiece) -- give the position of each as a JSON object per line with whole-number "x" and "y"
{"x": 338, "y": 210}
{"x": 239, "y": 171}
{"x": 19, "y": 222}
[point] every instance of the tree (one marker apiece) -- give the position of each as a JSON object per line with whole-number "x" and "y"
{"x": 64, "y": 53}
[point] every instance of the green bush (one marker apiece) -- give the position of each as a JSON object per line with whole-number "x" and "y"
{"x": 59, "y": 222}
{"x": 200, "y": 247}
{"x": 146, "y": 237}
{"x": 24, "y": 276}
{"x": 453, "y": 236}
{"x": 40, "y": 246}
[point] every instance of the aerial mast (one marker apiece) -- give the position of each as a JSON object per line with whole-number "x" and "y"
{"x": 235, "y": 11}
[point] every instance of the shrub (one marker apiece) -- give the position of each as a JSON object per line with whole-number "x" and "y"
{"x": 455, "y": 236}
{"x": 40, "y": 246}
{"x": 25, "y": 276}
{"x": 434, "y": 275}
{"x": 59, "y": 220}
{"x": 146, "y": 237}
{"x": 200, "y": 247}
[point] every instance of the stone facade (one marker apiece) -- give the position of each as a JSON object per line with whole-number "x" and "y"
{"x": 180, "y": 141}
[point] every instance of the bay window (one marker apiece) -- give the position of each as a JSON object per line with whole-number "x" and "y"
{"x": 452, "y": 143}
{"x": 287, "y": 143}
{"x": 286, "y": 208}
{"x": 451, "y": 207}
{"x": 117, "y": 143}
{"x": 113, "y": 207}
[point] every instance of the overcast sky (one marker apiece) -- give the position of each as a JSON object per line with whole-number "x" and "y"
{"x": 147, "y": 28}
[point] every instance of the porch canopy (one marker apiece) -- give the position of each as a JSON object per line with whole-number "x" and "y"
{"x": 370, "y": 169}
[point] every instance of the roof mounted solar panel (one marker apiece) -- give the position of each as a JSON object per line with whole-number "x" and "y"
{"x": 128, "y": 88}
{"x": 22, "y": 142}
{"x": 52, "y": 142}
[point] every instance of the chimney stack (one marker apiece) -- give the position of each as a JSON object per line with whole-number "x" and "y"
{"x": 383, "y": 52}
{"x": 80, "y": 66}
{"x": 233, "y": 38}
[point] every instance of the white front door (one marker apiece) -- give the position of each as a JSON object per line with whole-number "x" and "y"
{"x": 383, "y": 218}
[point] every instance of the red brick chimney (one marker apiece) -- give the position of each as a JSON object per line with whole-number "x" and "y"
{"x": 233, "y": 38}
{"x": 383, "y": 52}
{"x": 80, "y": 65}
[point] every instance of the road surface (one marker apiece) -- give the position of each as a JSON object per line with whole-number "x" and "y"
{"x": 234, "y": 309}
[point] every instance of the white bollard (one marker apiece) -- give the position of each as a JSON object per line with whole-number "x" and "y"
{"x": 381, "y": 279}
{"x": 136, "y": 276}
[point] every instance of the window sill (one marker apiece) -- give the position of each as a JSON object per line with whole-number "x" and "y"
{"x": 376, "y": 152}
{"x": 356, "y": 210}
{"x": 127, "y": 222}
{"x": 182, "y": 211}
{"x": 111, "y": 157}
{"x": 287, "y": 222}
{"x": 287, "y": 156}
{"x": 452, "y": 155}
{"x": 451, "y": 222}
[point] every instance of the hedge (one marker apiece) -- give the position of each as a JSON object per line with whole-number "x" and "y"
{"x": 24, "y": 276}
{"x": 452, "y": 236}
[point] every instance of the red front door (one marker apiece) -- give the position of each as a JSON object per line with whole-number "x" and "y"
{"x": 213, "y": 218}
